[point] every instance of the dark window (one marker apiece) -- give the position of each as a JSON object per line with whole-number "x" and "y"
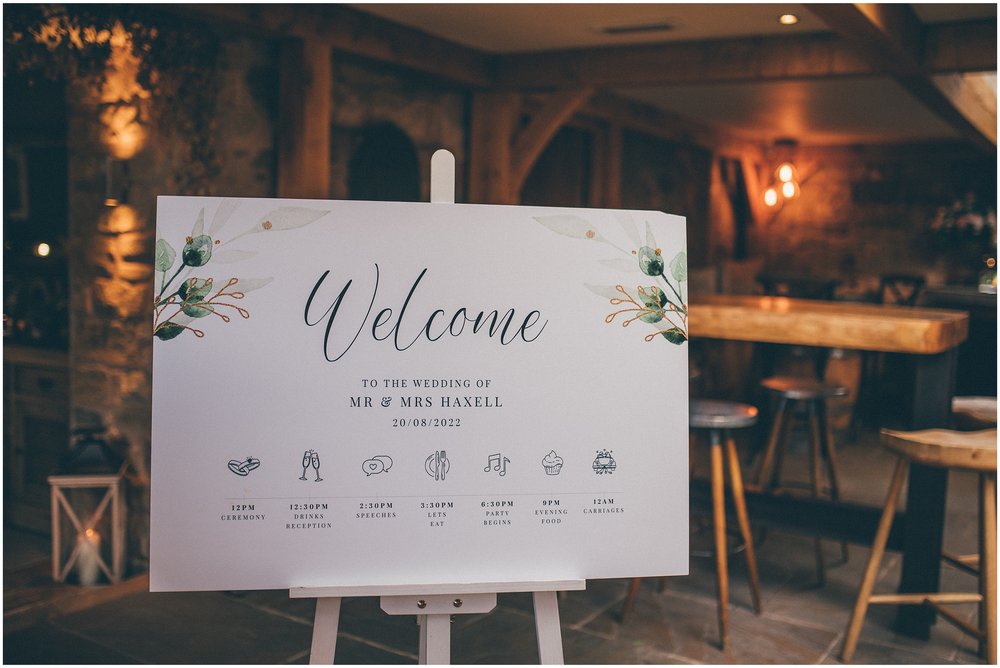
{"x": 384, "y": 166}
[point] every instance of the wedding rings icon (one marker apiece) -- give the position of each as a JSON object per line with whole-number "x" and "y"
{"x": 242, "y": 468}
{"x": 437, "y": 465}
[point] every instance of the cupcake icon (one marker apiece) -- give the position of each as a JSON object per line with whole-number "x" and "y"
{"x": 552, "y": 463}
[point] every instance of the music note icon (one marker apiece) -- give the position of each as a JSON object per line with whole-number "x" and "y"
{"x": 497, "y": 463}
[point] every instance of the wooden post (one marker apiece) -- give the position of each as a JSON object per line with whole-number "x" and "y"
{"x": 493, "y": 120}
{"x": 613, "y": 168}
{"x": 305, "y": 88}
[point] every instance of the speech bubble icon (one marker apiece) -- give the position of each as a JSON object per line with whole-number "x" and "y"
{"x": 377, "y": 464}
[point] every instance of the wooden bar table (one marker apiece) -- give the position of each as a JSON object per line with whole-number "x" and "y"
{"x": 929, "y": 338}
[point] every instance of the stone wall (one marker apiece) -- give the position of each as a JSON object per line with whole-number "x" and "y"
{"x": 111, "y": 273}
{"x": 433, "y": 115}
{"x": 861, "y": 217}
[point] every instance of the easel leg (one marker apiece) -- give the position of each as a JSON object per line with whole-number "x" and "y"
{"x": 435, "y": 639}
{"x": 550, "y": 650}
{"x": 325, "y": 625}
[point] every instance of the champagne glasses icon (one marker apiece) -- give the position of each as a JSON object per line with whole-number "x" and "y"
{"x": 314, "y": 462}
{"x": 306, "y": 461}
{"x": 310, "y": 459}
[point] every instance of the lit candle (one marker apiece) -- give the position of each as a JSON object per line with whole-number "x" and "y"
{"x": 87, "y": 562}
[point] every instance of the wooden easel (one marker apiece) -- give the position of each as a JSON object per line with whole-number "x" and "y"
{"x": 435, "y": 604}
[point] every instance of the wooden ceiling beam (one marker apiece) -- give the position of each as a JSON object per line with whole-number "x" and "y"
{"x": 959, "y": 47}
{"x": 352, "y": 31}
{"x": 892, "y": 35}
{"x": 947, "y": 48}
{"x": 532, "y": 140}
{"x": 656, "y": 122}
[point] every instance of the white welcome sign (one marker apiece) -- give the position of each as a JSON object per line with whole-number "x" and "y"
{"x": 378, "y": 394}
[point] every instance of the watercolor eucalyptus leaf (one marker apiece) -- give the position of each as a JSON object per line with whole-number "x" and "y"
{"x": 199, "y": 224}
{"x": 167, "y": 331}
{"x": 574, "y": 227}
{"x": 650, "y": 261}
{"x": 198, "y": 309}
{"x": 628, "y": 225}
{"x": 288, "y": 218}
{"x": 245, "y": 285}
{"x": 198, "y": 251}
{"x": 195, "y": 289}
{"x": 606, "y": 291}
{"x": 675, "y": 336}
{"x": 165, "y": 255}
{"x": 620, "y": 264}
{"x": 231, "y": 255}
{"x": 679, "y": 267}
{"x": 222, "y": 216}
{"x": 654, "y": 299}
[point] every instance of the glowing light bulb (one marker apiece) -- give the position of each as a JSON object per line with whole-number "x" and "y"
{"x": 770, "y": 196}
{"x": 785, "y": 172}
{"x": 788, "y": 19}
{"x": 790, "y": 189}
{"x": 43, "y": 249}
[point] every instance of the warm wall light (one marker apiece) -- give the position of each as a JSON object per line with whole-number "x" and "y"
{"x": 786, "y": 172}
{"x": 788, "y": 19}
{"x": 789, "y": 189}
{"x": 42, "y": 249}
{"x": 770, "y": 196}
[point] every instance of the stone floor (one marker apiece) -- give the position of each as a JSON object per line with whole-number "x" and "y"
{"x": 801, "y": 623}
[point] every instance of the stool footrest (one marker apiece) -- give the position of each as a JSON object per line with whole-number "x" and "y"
{"x": 968, "y": 563}
{"x": 957, "y": 622}
{"x": 919, "y": 599}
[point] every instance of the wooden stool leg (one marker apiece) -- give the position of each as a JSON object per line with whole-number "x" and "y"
{"x": 763, "y": 476}
{"x": 719, "y": 525}
{"x": 736, "y": 482}
{"x": 814, "y": 476}
{"x": 874, "y": 559}
{"x": 831, "y": 461}
{"x": 633, "y": 590}
{"x": 988, "y": 564}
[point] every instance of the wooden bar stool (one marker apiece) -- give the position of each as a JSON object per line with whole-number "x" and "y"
{"x": 812, "y": 393}
{"x": 719, "y": 417}
{"x": 953, "y": 450}
{"x": 971, "y": 413}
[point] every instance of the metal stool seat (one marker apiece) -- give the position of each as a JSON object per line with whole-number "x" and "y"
{"x": 943, "y": 448}
{"x": 718, "y": 417}
{"x": 812, "y": 393}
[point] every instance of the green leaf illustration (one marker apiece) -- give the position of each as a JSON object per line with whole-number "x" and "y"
{"x": 675, "y": 336}
{"x": 606, "y": 291}
{"x": 628, "y": 226}
{"x": 198, "y": 309}
{"x": 620, "y": 264}
{"x": 679, "y": 267}
{"x": 199, "y": 225}
{"x": 165, "y": 255}
{"x": 654, "y": 299}
{"x": 195, "y": 289}
{"x": 650, "y": 261}
{"x": 229, "y": 255}
{"x": 167, "y": 331}
{"x": 222, "y": 215}
{"x": 198, "y": 251}
{"x": 574, "y": 227}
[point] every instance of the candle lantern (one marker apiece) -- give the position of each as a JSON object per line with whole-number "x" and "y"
{"x": 88, "y": 512}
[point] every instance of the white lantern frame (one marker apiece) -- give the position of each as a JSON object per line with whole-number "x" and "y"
{"x": 61, "y": 507}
